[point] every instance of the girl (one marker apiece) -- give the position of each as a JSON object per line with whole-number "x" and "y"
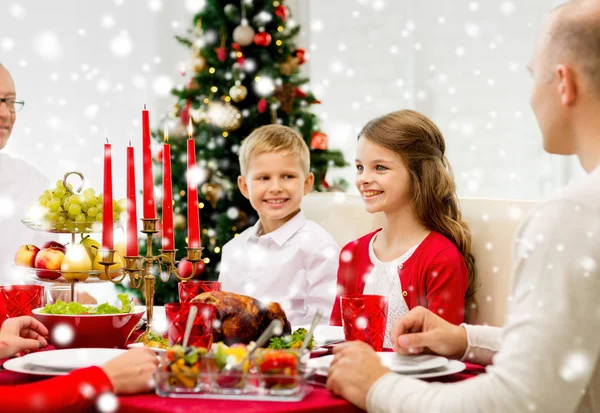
{"x": 422, "y": 254}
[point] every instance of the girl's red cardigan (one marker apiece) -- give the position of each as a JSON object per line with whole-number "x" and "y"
{"x": 435, "y": 276}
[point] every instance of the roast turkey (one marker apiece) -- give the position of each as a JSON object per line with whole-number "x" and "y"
{"x": 242, "y": 318}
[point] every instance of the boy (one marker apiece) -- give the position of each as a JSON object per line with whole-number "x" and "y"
{"x": 283, "y": 257}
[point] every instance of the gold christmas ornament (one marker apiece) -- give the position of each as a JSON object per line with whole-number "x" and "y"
{"x": 238, "y": 93}
{"x": 288, "y": 67}
{"x": 179, "y": 222}
{"x": 199, "y": 63}
{"x": 224, "y": 116}
{"x": 212, "y": 192}
{"x": 243, "y": 35}
{"x": 198, "y": 115}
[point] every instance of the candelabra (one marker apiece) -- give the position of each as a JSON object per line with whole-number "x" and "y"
{"x": 139, "y": 269}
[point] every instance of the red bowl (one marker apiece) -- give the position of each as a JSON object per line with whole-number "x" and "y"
{"x": 85, "y": 330}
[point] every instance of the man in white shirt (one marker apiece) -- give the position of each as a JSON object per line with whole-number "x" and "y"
{"x": 547, "y": 357}
{"x": 284, "y": 257}
{"x": 20, "y": 185}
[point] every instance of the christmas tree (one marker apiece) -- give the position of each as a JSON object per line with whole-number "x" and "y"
{"x": 244, "y": 73}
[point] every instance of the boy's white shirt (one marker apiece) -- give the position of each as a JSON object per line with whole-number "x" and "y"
{"x": 547, "y": 357}
{"x": 295, "y": 265}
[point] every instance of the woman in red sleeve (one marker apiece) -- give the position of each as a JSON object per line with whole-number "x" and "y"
{"x": 77, "y": 391}
{"x": 422, "y": 254}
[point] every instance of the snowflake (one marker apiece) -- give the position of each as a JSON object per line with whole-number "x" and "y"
{"x": 17, "y": 11}
{"x": 194, "y": 6}
{"x": 63, "y": 334}
{"x": 346, "y": 256}
{"x": 107, "y": 403}
{"x": 589, "y": 264}
{"x": 361, "y": 322}
{"x": 48, "y": 46}
{"x": 162, "y": 85}
{"x": 121, "y": 45}
{"x": 472, "y": 29}
{"x": 575, "y": 366}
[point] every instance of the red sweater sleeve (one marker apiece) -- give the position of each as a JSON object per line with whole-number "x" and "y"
{"x": 446, "y": 281}
{"x": 343, "y": 277}
{"x": 75, "y": 392}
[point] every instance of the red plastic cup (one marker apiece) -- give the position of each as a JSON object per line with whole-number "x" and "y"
{"x": 202, "y": 329}
{"x": 364, "y": 318}
{"x": 18, "y": 300}
{"x": 188, "y": 290}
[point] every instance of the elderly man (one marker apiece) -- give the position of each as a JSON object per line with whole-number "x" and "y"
{"x": 547, "y": 357}
{"x": 20, "y": 185}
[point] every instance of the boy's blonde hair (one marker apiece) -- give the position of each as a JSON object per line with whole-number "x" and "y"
{"x": 274, "y": 138}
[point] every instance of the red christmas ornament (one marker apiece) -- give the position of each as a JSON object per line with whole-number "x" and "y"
{"x": 262, "y": 105}
{"x": 238, "y": 53}
{"x": 300, "y": 53}
{"x": 184, "y": 116}
{"x": 282, "y": 12}
{"x": 300, "y": 93}
{"x": 262, "y": 39}
{"x": 318, "y": 141}
{"x": 222, "y": 54}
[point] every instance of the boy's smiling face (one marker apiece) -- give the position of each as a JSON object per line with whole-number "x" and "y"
{"x": 275, "y": 184}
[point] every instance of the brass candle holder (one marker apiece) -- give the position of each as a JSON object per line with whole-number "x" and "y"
{"x": 139, "y": 269}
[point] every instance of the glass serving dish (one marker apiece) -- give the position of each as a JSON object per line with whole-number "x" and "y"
{"x": 270, "y": 375}
{"x": 56, "y": 276}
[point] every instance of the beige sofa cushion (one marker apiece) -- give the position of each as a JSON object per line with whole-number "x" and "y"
{"x": 493, "y": 222}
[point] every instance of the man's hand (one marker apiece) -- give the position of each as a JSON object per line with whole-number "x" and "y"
{"x": 353, "y": 371}
{"x": 21, "y": 333}
{"x": 420, "y": 331}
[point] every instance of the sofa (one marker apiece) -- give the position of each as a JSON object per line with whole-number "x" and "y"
{"x": 493, "y": 223}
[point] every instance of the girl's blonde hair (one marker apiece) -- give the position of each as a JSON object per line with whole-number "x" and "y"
{"x": 421, "y": 145}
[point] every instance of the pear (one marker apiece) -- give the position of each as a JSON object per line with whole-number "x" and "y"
{"x": 113, "y": 271}
{"x": 76, "y": 264}
{"x": 92, "y": 246}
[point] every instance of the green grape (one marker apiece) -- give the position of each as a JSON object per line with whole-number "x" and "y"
{"x": 91, "y": 200}
{"x": 92, "y": 211}
{"x": 54, "y": 205}
{"x": 70, "y": 186}
{"x": 115, "y": 216}
{"x": 122, "y": 204}
{"x": 74, "y": 209}
{"x": 84, "y": 207}
{"x": 76, "y": 199}
{"x": 89, "y": 192}
{"x": 66, "y": 203}
{"x": 59, "y": 192}
{"x": 51, "y": 216}
{"x": 70, "y": 226}
{"x": 43, "y": 201}
{"x": 80, "y": 218}
{"x": 59, "y": 184}
{"x": 47, "y": 193}
{"x": 100, "y": 198}
{"x": 61, "y": 220}
{"x": 99, "y": 217}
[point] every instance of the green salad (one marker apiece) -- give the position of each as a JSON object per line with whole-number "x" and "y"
{"x": 293, "y": 340}
{"x": 60, "y": 307}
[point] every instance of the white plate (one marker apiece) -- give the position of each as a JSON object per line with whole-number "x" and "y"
{"x": 157, "y": 350}
{"x": 396, "y": 362}
{"x": 61, "y": 362}
{"x": 453, "y": 366}
{"x": 325, "y": 334}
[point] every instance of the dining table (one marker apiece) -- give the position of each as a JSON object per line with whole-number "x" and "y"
{"x": 318, "y": 399}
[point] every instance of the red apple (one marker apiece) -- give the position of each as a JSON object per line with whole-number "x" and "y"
{"x": 55, "y": 245}
{"x": 25, "y": 256}
{"x": 49, "y": 259}
{"x": 185, "y": 268}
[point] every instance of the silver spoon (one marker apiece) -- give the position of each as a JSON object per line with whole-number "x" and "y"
{"x": 311, "y": 331}
{"x": 189, "y": 325}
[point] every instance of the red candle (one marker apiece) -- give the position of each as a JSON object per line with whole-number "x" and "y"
{"x": 192, "y": 193}
{"x": 107, "y": 201}
{"x": 132, "y": 230}
{"x": 149, "y": 206}
{"x": 168, "y": 239}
